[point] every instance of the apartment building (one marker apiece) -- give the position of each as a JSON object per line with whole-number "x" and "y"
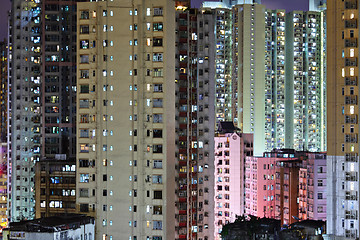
{"x": 275, "y": 90}
{"x": 305, "y": 81}
{"x": 3, "y": 89}
{"x": 343, "y": 109}
{"x": 260, "y": 186}
{"x": 3, "y": 186}
{"x": 195, "y": 121}
{"x": 286, "y": 185}
{"x": 55, "y": 190}
{"x": 312, "y": 187}
{"x": 3, "y": 132}
{"x": 240, "y": 69}
{"x": 317, "y": 5}
{"x": 280, "y": 100}
{"x": 126, "y": 108}
{"x": 42, "y": 80}
{"x": 231, "y": 147}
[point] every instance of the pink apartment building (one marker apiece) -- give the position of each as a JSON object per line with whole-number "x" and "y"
{"x": 260, "y": 187}
{"x": 231, "y": 147}
{"x": 286, "y": 185}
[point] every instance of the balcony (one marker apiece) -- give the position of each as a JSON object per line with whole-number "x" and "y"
{"x": 351, "y": 215}
{"x": 351, "y": 99}
{"x": 351, "y": 81}
{"x": 351, "y": 157}
{"x": 351, "y": 176}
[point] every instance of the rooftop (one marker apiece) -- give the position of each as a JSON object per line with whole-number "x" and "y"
{"x": 52, "y": 224}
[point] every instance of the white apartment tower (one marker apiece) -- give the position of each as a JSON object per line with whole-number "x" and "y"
{"x": 126, "y": 109}
{"x": 275, "y": 90}
{"x": 248, "y": 32}
{"x": 305, "y": 85}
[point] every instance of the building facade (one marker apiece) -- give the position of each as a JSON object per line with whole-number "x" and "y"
{"x": 292, "y": 112}
{"x": 126, "y": 108}
{"x": 231, "y": 147}
{"x": 342, "y": 116}
{"x": 195, "y": 121}
{"x": 55, "y": 189}
{"x": 62, "y": 227}
{"x": 305, "y": 105}
{"x": 287, "y": 185}
{"x": 42, "y": 79}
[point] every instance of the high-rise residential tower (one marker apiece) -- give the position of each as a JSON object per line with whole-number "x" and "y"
{"x": 240, "y": 68}
{"x": 305, "y": 93}
{"x": 248, "y": 34}
{"x": 126, "y": 118}
{"x": 343, "y": 119}
{"x": 275, "y": 90}
{"x": 195, "y": 121}
{"x": 42, "y": 39}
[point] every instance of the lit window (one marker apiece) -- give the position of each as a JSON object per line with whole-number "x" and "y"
{"x": 352, "y": 52}
{"x": 352, "y": 109}
{"x": 148, "y": 12}
{"x": 148, "y": 26}
{"x": 352, "y": 71}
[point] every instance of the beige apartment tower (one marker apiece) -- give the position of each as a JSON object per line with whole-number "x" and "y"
{"x": 343, "y": 119}
{"x": 126, "y": 123}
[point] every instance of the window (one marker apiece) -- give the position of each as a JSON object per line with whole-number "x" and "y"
{"x": 84, "y": 178}
{"x": 104, "y": 192}
{"x": 157, "y": 133}
{"x": 157, "y": 27}
{"x": 320, "y": 182}
{"x": 84, "y": 58}
{"x": 157, "y": 194}
{"x": 158, "y": 87}
{"x": 158, "y": 72}
{"x": 83, "y": 163}
{"x": 157, "y": 210}
{"x": 352, "y": 52}
{"x": 157, "y": 179}
{"x": 157, "y": 118}
{"x": 157, "y": 225}
{"x": 157, "y": 57}
{"x": 84, "y": 29}
{"x": 158, "y": 11}
{"x": 84, "y": 73}
{"x": 157, "y": 164}
{"x": 84, "y": 148}
{"x": 84, "y": 88}
{"x": 84, "y": 133}
{"x": 84, "y": 192}
{"x": 157, "y": 42}
{"x": 84, "y": 103}
{"x": 84, "y": 44}
{"x": 84, "y": 118}
{"x": 157, "y": 102}
{"x": 84, "y": 14}
{"x": 320, "y": 196}
{"x": 157, "y": 148}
